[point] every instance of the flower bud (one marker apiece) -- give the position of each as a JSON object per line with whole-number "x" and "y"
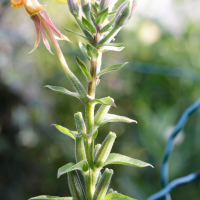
{"x": 134, "y": 5}
{"x": 80, "y": 124}
{"x": 124, "y": 13}
{"x": 75, "y": 186}
{"x": 103, "y": 184}
{"x": 104, "y": 150}
{"x": 86, "y": 6}
{"x": 73, "y": 7}
{"x": 103, "y": 110}
{"x": 107, "y": 4}
{"x": 80, "y": 149}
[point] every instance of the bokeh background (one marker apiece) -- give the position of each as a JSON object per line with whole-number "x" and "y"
{"x": 161, "y": 80}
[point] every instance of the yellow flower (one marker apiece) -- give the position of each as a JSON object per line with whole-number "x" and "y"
{"x": 41, "y": 21}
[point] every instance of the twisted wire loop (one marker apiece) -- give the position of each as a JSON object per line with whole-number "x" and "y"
{"x": 173, "y": 184}
{"x": 167, "y": 153}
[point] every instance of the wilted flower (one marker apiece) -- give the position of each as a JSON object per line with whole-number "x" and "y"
{"x": 41, "y": 21}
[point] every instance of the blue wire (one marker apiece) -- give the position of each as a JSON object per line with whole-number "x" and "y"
{"x": 169, "y": 146}
{"x": 173, "y": 184}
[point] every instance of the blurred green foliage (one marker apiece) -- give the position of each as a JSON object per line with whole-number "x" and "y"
{"x": 31, "y": 150}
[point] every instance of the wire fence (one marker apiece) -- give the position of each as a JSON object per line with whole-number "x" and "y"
{"x": 166, "y": 186}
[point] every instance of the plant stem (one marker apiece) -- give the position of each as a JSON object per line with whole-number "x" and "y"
{"x": 89, "y": 145}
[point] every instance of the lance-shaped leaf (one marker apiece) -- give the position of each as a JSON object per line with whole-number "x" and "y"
{"x": 42, "y": 197}
{"x": 116, "y": 118}
{"x": 117, "y": 196}
{"x": 100, "y": 18}
{"x": 83, "y": 67}
{"x": 115, "y": 158}
{"x": 103, "y": 101}
{"x": 88, "y": 26}
{"x": 66, "y": 131}
{"x": 83, "y": 49}
{"x": 74, "y": 33}
{"x": 62, "y": 90}
{"x": 111, "y": 68}
{"x": 108, "y": 26}
{"x": 92, "y": 51}
{"x": 111, "y": 47}
{"x": 82, "y": 166}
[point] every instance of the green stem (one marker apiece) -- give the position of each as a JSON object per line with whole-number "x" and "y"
{"x": 89, "y": 143}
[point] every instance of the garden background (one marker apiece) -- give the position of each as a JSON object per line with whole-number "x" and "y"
{"x": 161, "y": 80}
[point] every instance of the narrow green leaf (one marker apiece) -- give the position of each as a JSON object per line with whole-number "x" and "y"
{"x": 83, "y": 67}
{"x": 112, "y": 13}
{"x": 116, "y": 118}
{"x": 82, "y": 166}
{"x": 104, "y": 101}
{"x": 92, "y": 51}
{"x": 111, "y": 68}
{"x": 100, "y": 18}
{"x": 117, "y": 196}
{"x": 51, "y": 198}
{"x": 62, "y": 90}
{"x": 111, "y": 47}
{"x": 75, "y": 33}
{"x": 66, "y": 131}
{"x": 83, "y": 49}
{"x": 115, "y": 158}
{"x": 88, "y": 26}
{"x": 108, "y": 26}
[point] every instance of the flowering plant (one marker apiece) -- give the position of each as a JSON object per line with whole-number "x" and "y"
{"x": 100, "y": 22}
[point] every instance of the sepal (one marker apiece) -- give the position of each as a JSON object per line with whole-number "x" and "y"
{"x": 96, "y": 149}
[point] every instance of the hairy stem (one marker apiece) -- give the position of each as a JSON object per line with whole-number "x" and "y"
{"x": 89, "y": 145}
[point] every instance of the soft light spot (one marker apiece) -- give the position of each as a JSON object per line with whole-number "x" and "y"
{"x": 149, "y": 33}
{"x": 28, "y": 138}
